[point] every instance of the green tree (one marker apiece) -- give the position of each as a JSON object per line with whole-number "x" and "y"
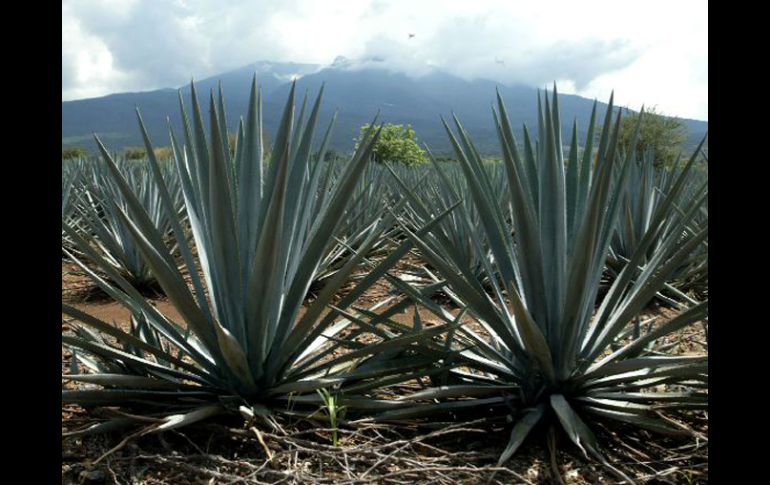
{"x": 397, "y": 143}
{"x": 662, "y": 134}
{"x": 73, "y": 152}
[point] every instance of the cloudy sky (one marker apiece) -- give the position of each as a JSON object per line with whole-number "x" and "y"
{"x": 653, "y": 52}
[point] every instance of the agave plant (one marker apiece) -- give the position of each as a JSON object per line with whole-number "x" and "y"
{"x": 100, "y": 202}
{"x": 70, "y": 179}
{"x": 244, "y": 343}
{"x": 692, "y": 275}
{"x": 72, "y": 183}
{"x": 645, "y": 189}
{"x": 439, "y": 188}
{"x": 367, "y": 207}
{"x": 551, "y": 357}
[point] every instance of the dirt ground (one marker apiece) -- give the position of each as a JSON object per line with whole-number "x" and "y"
{"x": 229, "y": 452}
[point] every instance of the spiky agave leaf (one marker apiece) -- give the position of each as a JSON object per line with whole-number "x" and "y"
{"x": 547, "y": 342}
{"x": 243, "y": 340}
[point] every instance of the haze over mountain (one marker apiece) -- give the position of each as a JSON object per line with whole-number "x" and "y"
{"x": 358, "y": 90}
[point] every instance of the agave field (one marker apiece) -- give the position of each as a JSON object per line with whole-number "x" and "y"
{"x": 266, "y": 316}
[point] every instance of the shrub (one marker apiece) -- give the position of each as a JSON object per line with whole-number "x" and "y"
{"x": 397, "y": 144}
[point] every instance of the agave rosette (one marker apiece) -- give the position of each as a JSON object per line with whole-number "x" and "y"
{"x": 550, "y": 354}
{"x": 245, "y": 341}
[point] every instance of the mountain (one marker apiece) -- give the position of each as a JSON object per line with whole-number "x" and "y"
{"x": 357, "y": 90}
{"x": 112, "y": 117}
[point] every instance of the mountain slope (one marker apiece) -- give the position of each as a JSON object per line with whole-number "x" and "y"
{"x": 358, "y": 93}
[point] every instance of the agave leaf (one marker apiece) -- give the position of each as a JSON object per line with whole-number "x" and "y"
{"x": 642, "y": 409}
{"x": 656, "y": 399}
{"x": 394, "y": 343}
{"x": 323, "y": 228}
{"x": 571, "y": 178}
{"x": 534, "y": 342}
{"x": 576, "y": 429}
{"x": 169, "y": 206}
{"x": 129, "y": 382}
{"x": 250, "y": 175}
{"x": 153, "y": 248}
{"x": 553, "y": 226}
{"x": 347, "y": 300}
{"x": 585, "y": 168}
{"x": 171, "y": 282}
{"x": 224, "y": 245}
{"x": 488, "y": 359}
{"x": 137, "y": 304}
{"x": 520, "y": 431}
{"x": 615, "y": 405}
{"x": 643, "y": 295}
{"x": 91, "y": 364}
{"x": 635, "y": 348}
{"x": 646, "y": 376}
{"x": 178, "y": 420}
{"x": 649, "y": 362}
{"x": 490, "y": 217}
{"x": 646, "y": 422}
{"x": 479, "y": 302}
{"x": 234, "y": 355}
{"x": 456, "y": 391}
{"x": 105, "y": 427}
{"x": 263, "y": 280}
{"x": 379, "y": 368}
{"x": 117, "y": 354}
{"x": 526, "y": 227}
{"x": 122, "y": 336}
{"x": 381, "y": 383}
{"x": 118, "y": 396}
{"x": 327, "y": 294}
{"x": 303, "y": 386}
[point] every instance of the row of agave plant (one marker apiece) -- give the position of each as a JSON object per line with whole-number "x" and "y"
{"x": 522, "y": 247}
{"x": 91, "y": 198}
{"x": 92, "y": 201}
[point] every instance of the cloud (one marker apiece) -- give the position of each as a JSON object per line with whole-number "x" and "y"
{"x": 482, "y": 47}
{"x": 87, "y": 63}
{"x": 123, "y": 45}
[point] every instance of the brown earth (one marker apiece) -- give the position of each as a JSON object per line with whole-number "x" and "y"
{"x": 226, "y": 452}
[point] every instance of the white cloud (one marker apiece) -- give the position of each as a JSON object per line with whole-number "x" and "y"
{"x": 87, "y": 63}
{"x": 654, "y": 53}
